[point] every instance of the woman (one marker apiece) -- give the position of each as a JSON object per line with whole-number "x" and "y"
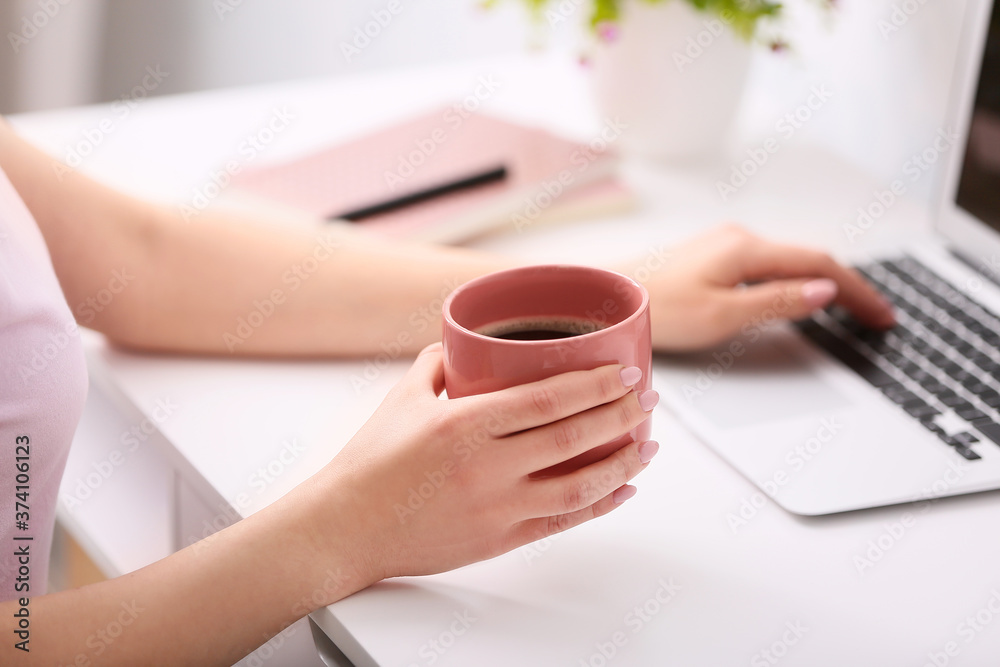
{"x": 147, "y": 280}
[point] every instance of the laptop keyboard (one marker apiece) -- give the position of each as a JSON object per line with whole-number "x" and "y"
{"x": 941, "y": 364}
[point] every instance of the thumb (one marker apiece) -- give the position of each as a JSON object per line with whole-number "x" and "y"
{"x": 781, "y": 300}
{"x": 427, "y": 372}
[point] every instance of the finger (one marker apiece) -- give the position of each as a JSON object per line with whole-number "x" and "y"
{"x": 427, "y": 372}
{"x": 545, "y": 446}
{"x": 584, "y": 487}
{"x": 761, "y": 260}
{"x": 534, "y": 404}
{"x": 772, "y": 301}
{"x": 533, "y": 530}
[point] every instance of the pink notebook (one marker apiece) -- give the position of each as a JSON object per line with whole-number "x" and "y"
{"x": 546, "y": 177}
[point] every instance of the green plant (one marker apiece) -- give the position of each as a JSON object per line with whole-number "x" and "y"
{"x": 743, "y": 16}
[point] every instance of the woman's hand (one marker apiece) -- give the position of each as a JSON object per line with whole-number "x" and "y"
{"x": 428, "y": 485}
{"x": 718, "y": 283}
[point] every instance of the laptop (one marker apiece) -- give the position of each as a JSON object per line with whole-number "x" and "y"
{"x": 825, "y": 416}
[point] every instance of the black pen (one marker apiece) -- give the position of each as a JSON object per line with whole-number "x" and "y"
{"x": 481, "y": 178}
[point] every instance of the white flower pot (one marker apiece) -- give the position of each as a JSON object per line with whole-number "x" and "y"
{"x": 675, "y": 77}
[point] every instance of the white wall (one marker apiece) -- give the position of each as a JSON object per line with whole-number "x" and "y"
{"x": 214, "y": 43}
{"x": 890, "y": 90}
{"x": 50, "y": 53}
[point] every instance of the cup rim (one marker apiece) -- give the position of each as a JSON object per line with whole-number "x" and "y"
{"x": 479, "y": 280}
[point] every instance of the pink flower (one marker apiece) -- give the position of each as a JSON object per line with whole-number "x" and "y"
{"x": 607, "y": 31}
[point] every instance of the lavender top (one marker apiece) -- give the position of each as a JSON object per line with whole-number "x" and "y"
{"x": 43, "y": 386}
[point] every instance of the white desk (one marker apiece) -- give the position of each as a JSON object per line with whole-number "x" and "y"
{"x": 664, "y": 580}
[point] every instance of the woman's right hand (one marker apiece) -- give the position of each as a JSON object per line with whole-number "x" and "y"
{"x": 429, "y": 485}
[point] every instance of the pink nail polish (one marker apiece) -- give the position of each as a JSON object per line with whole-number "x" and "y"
{"x": 647, "y": 451}
{"x": 648, "y": 400}
{"x": 623, "y": 494}
{"x": 630, "y": 376}
{"x": 817, "y": 293}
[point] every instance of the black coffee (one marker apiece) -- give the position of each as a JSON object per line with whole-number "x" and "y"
{"x": 535, "y": 334}
{"x": 547, "y": 328}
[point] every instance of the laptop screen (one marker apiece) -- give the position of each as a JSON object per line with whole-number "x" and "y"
{"x": 979, "y": 183}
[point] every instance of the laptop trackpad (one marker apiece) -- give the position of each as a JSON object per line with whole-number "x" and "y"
{"x": 743, "y": 383}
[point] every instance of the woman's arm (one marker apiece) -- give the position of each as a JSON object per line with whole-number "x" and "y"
{"x": 147, "y": 279}
{"x": 350, "y": 525}
{"x": 227, "y": 284}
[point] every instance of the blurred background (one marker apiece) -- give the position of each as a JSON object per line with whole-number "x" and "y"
{"x": 92, "y": 50}
{"x": 71, "y": 52}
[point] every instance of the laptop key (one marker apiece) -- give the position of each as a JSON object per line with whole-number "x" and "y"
{"x": 989, "y": 428}
{"x": 951, "y": 399}
{"x": 931, "y": 384}
{"x": 966, "y": 439}
{"x": 850, "y": 357}
{"x": 991, "y": 398}
{"x": 961, "y": 443}
{"x": 899, "y": 394}
{"x": 919, "y": 409}
{"x": 967, "y": 453}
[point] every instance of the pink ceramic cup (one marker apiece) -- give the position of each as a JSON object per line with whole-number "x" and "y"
{"x": 475, "y": 363}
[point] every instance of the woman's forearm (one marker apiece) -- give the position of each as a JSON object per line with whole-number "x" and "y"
{"x": 227, "y": 285}
{"x": 209, "y": 604}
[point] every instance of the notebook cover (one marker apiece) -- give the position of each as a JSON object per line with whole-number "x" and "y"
{"x": 435, "y": 148}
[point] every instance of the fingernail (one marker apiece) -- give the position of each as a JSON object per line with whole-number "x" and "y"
{"x": 890, "y": 311}
{"x": 630, "y": 376}
{"x": 623, "y": 494}
{"x": 647, "y": 451}
{"x": 648, "y": 400}
{"x": 817, "y": 293}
